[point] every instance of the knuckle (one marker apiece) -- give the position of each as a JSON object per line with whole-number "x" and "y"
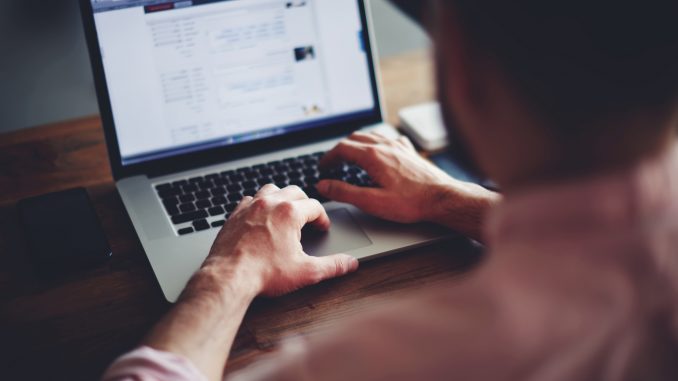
{"x": 338, "y": 267}
{"x": 333, "y": 189}
{"x": 342, "y": 146}
{"x": 296, "y": 188}
{"x": 261, "y": 203}
{"x": 373, "y": 152}
{"x": 286, "y": 209}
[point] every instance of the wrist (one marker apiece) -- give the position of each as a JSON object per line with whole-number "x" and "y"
{"x": 225, "y": 281}
{"x": 461, "y": 206}
{"x": 203, "y": 324}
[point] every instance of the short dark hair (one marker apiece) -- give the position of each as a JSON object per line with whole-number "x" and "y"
{"x": 580, "y": 61}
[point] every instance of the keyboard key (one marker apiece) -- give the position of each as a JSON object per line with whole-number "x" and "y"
{"x": 215, "y": 211}
{"x": 172, "y": 210}
{"x": 188, "y": 217}
{"x": 332, "y": 174}
{"x": 266, "y": 171}
{"x": 247, "y": 172}
{"x": 187, "y": 198}
{"x": 190, "y": 188}
{"x": 164, "y": 194}
{"x": 219, "y": 200}
{"x": 171, "y": 201}
{"x": 203, "y": 204}
{"x": 353, "y": 170}
{"x": 201, "y": 225}
{"x": 249, "y": 192}
{"x": 353, "y": 180}
{"x": 282, "y": 168}
{"x": 236, "y": 178}
{"x": 185, "y": 231}
{"x": 235, "y": 197}
{"x": 213, "y": 176}
{"x": 204, "y": 185}
{"x": 234, "y": 188}
{"x": 195, "y": 180}
{"x": 231, "y": 207}
{"x": 265, "y": 180}
{"x": 311, "y": 163}
{"x": 311, "y": 192}
{"x": 179, "y": 183}
{"x": 202, "y": 195}
{"x": 220, "y": 181}
{"x": 188, "y": 207}
{"x": 298, "y": 182}
{"x": 218, "y": 191}
{"x": 250, "y": 185}
{"x": 311, "y": 180}
{"x": 218, "y": 224}
{"x": 366, "y": 180}
{"x": 294, "y": 175}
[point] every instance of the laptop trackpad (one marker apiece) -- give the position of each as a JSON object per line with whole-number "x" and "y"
{"x": 345, "y": 235}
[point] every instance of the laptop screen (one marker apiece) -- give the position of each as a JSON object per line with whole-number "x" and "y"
{"x": 185, "y": 76}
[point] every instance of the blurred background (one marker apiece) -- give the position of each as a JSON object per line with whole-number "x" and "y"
{"x": 45, "y": 74}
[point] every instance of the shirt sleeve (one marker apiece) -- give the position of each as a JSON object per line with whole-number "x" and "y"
{"x": 147, "y": 364}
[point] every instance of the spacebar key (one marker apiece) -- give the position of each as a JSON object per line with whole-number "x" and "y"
{"x": 188, "y": 217}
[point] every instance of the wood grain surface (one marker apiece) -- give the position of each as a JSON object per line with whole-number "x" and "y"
{"x": 73, "y": 327}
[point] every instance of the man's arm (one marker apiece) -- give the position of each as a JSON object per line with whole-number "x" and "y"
{"x": 257, "y": 253}
{"x": 410, "y": 188}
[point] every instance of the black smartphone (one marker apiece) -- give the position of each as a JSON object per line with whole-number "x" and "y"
{"x": 64, "y": 232}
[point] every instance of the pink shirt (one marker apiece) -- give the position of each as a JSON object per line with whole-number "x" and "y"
{"x": 581, "y": 282}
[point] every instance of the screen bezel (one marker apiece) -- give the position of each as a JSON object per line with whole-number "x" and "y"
{"x": 182, "y": 162}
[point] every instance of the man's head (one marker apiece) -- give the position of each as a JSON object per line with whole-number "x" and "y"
{"x": 534, "y": 86}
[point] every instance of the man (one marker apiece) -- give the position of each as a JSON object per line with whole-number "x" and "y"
{"x": 571, "y": 107}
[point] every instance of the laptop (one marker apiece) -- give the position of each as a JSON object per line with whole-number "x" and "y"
{"x": 205, "y": 101}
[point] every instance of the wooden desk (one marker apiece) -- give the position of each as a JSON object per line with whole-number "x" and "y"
{"x": 72, "y": 329}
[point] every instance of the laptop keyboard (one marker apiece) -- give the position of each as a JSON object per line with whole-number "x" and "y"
{"x": 206, "y": 202}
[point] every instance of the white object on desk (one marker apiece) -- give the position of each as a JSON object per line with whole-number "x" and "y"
{"x": 424, "y": 124}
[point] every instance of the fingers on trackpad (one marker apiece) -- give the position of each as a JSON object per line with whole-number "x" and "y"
{"x": 345, "y": 235}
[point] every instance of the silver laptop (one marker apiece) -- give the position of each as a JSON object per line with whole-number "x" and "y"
{"x": 205, "y": 101}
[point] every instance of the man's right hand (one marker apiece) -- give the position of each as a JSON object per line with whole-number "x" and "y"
{"x": 410, "y": 188}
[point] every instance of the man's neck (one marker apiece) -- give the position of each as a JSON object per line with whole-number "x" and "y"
{"x": 590, "y": 157}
